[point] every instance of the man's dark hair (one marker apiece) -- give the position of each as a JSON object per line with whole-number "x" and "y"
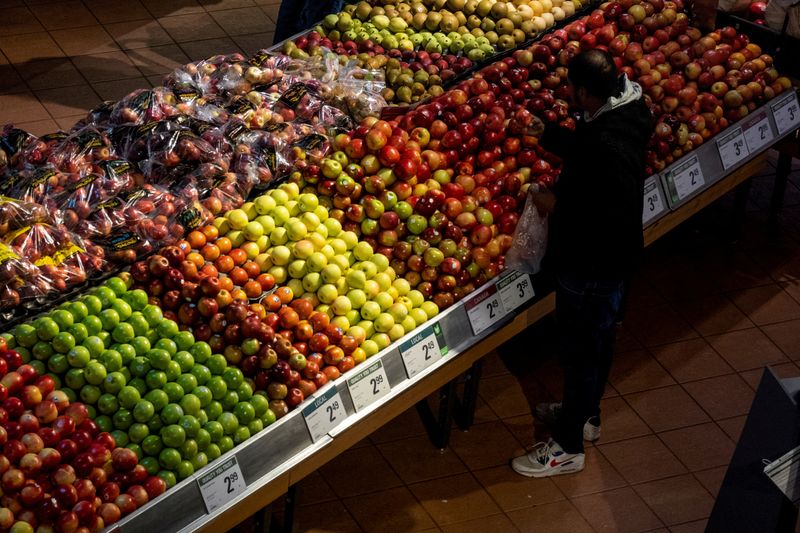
{"x": 595, "y": 71}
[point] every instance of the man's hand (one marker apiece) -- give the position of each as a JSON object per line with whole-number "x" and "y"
{"x": 544, "y": 200}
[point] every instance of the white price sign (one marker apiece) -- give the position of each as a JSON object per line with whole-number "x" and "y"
{"x": 757, "y": 131}
{"x": 685, "y": 179}
{"x": 222, "y": 484}
{"x": 423, "y": 349}
{"x": 653, "y": 203}
{"x": 484, "y": 309}
{"x": 786, "y": 113}
{"x": 369, "y": 385}
{"x": 515, "y": 289}
{"x": 325, "y": 413}
{"x": 732, "y": 148}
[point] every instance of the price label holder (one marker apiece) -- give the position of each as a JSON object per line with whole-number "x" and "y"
{"x": 324, "y": 413}
{"x": 515, "y": 289}
{"x": 786, "y": 113}
{"x": 484, "y": 309}
{"x": 684, "y": 179}
{"x": 732, "y": 148}
{"x": 423, "y": 349}
{"x": 653, "y": 200}
{"x": 757, "y": 131}
{"x": 369, "y": 385}
{"x": 222, "y": 484}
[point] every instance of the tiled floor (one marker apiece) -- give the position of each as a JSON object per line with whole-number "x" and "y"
{"x": 708, "y": 312}
{"x": 58, "y": 59}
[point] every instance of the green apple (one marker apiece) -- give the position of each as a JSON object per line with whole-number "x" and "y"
{"x": 430, "y": 308}
{"x": 357, "y": 298}
{"x": 253, "y": 230}
{"x": 295, "y": 229}
{"x": 370, "y": 310}
{"x": 334, "y": 227}
{"x": 264, "y": 204}
{"x": 341, "y": 305}
{"x": 279, "y": 195}
{"x": 331, "y": 273}
{"x": 312, "y": 281}
{"x": 303, "y": 249}
{"x": 297, "y": 269}
{"x": 327, "y": 294}
{"x": 316, "y": 262}
{"x": 363, "y": 251}
{"x": 237, "y": 218}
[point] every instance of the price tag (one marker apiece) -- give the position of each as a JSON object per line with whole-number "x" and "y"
{"x": 423, "y": 349}
{"x": 653, "y": 203}
{"x": 369, "y": 385}
{"x": 515, "y": 289}
{"x": 757, "y": 131}
{"x": 786, "y": 113}
{"x": 325, "y": 413}
{"x": 732, "y": 148}
{"x": 685, "y": 179}
{"x": 222, "y": 484}
{"x": 485, "y": 309}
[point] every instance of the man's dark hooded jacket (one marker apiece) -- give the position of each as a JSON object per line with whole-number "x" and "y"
{"x": 596, "y": 228}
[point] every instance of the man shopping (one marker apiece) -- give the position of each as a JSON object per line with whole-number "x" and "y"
{"x": 595, "y": 217}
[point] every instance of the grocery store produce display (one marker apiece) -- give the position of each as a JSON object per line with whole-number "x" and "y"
{"x": 276, "y": 233}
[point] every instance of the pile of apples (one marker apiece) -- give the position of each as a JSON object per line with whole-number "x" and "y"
{"x": 58, "y": 469}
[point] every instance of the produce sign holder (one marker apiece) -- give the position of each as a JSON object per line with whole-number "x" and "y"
{"x": 676, "y": 179}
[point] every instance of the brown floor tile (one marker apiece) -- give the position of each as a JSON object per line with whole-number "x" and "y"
{"x": 598, "y": 475}
{"x": 712, "y": 478}
{"x": 108, "y": 66}
{"x": 558, "y": 516}
{"x": 270, "y": 7}
{"x": 416, "y": 459}
{"x": 636, "y": 371}
{"x": 626, "y": 341}
{"x": 117, "y": 89}
{"x": 691, "y": 360}
{"x": 666, "y": 408}
{"x": 498, "y": 522}
{"x": 83, "y": 41}
{"x": 325, "y": 517}
{"x": 493, "y": 365}
{"x": 139, "y": 34}
{"x": 66, "y": 123}
{"x": 699, "y": 447}
{"x": 118, "y": 12}
{"x": 219, "y": 5}
{"x": 243, "y": 21}
{"x": 787, "y": 336}
{"x": 17, "y": 20}
{"x": 10, "y": 80}
{"x": 63, "y": 15}
{"x": 698, "y": 526}
{"x": 250, "y": 44}
{"x": 642, "y": 459}
{"x": 389, "y": 510}
{"x": 314, "y": 489}
{"x": 31, "y": 46}
{"x": 713, "y": 315}
{"x": 21, "y": 107}
{"x": 505, "y": 396}
{"x": 51, "y": 73}
{"x": 512, "y": 491}
{"x": 677, "y": 499}
{"x": 158, "y": 8}
{"x": 407, "y": 424}
{"x": 522, "y": 429}
{"x": 616, "y": 511}
{"x": 158, "y": 60}
{"x": 767, "y": 305}
{"x": 185, "y": 28}
{"x": 746, "y": 349}
{"x": 197, "y": 50}
{"x": 733, "y": 426}
{"x": 483, "y": 413}
{"x": 619, "y": 421}
{"x": 454, "y": 499}
{"x": 68, "y": 101}
{"x": 659, "y": 325}
{"x": 358, "y": 471}
{"x": 723, "y": 396}
{"x": 783, "y": 370}
{"x": 485, "y": 445}
{"x": 39, "y": 127}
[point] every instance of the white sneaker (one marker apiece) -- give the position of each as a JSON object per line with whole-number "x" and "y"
{"x": 547, "y": 459}
{"x": 548, "y": 414}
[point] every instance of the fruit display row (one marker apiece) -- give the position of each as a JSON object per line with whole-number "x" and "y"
{"x": 423, "y": 45}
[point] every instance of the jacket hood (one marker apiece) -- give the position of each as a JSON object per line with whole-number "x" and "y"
{"x": 631, "y": 91}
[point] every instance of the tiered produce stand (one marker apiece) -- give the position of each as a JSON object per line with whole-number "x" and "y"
{"x": 245, "y": 344}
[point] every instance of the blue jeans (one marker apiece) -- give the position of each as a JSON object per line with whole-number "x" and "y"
{"x": 295, "y": 16}
{"x": 586, "y": 312}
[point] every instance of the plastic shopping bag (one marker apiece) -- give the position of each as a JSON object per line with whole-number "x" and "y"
{"x": 529, "y": 243}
